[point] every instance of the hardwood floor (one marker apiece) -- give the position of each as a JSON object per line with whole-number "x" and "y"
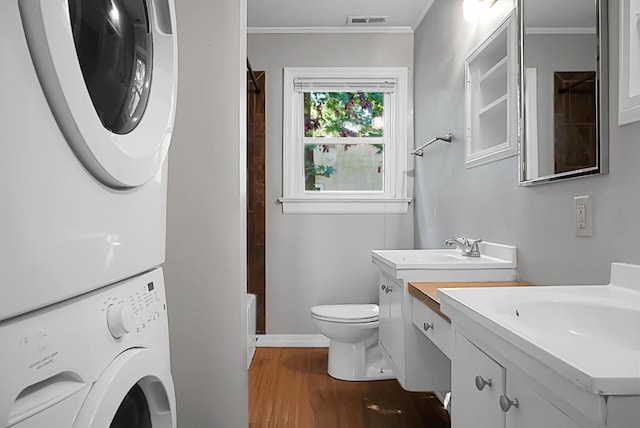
{"x": 290, "y": 387}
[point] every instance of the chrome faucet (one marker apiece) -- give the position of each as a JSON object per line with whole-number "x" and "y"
{"x": 468, "y": 247}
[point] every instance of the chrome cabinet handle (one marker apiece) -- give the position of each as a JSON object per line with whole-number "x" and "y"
{"x": 384, "y": 287}
{"x": 388, "y": 290}
{"x": 506, "y": 403}
{"x": 482, "y": 382}
{"x": 427, "y": 326}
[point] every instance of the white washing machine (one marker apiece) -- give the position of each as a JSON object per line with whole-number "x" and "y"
{"x": 95, "y": 361}
{"x": 86, "y": 117}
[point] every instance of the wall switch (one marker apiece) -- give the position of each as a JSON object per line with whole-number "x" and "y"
{"x": 582, "y": 212}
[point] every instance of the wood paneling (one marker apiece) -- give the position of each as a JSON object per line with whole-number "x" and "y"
{"x": 256, "y": 196}
{"x": 290, "y": 387}
{"x": 574, "y": 101}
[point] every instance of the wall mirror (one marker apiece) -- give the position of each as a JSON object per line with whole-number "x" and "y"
{"x": 563, "y": 130}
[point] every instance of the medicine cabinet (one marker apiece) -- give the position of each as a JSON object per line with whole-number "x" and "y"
{"x": 564, "y": 91}
{"x": 491, "y": 96}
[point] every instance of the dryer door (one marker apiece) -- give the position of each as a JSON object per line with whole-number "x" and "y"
{"x": 109, "y": 71}
{"x": 135, "y": 391}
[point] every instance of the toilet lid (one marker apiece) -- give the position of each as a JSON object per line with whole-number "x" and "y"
{"x": 346, "y": 313}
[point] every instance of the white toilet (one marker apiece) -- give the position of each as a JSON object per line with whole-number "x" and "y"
{"x": 353, "y": 347}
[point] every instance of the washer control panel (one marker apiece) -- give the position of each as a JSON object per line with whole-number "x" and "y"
{"x": 120, "y": 320}
{"x": 134, "y": 309}
{"x": 66, "y": 346}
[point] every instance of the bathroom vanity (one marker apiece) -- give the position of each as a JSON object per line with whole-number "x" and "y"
{"x": 556, "y": 356}
{"x": 430, "y": 320}
{"x": 419, "y": 364}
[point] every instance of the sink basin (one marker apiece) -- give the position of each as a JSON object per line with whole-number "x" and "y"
{"x": 577, "y": 320}
{"x": 588, "y": 334}
{"x": 496, "y": 263}
{"x": 438, "y": 259}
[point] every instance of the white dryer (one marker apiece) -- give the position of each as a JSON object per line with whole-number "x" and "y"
{"x": 95, "y": 361}
{"x": 86, "y": 117}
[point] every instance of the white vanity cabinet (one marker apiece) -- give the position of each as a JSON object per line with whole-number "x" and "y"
{"x": 417, "y": 363}
{"x": 471, "y": 405}
{"x": 534, "y": 410}
{"x": 432, "y": 325}
{"x": 391, "y": 337}
{"x": 421, "y": 363}
{"x": 486, "y": 395}
{"x": 573, "y": 363}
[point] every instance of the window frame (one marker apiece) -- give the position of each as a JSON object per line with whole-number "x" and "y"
{"x": 393, "y": 199}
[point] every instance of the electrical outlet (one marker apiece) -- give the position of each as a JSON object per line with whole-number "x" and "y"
{"x": 581, "y": 217}
{"x": 582, "y": 210}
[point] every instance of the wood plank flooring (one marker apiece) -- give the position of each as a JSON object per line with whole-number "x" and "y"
{"x": 290, "y": 388}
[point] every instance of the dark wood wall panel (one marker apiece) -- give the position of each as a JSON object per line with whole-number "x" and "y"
{"x": 256, "y": 195}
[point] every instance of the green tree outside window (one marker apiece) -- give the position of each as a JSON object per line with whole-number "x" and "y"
{"x": 340, "y": 115}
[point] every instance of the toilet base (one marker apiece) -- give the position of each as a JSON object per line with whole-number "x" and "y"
{"x": 358, "y": 361}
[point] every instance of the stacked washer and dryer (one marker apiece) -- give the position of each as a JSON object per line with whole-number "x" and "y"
{"x": 88, "y": 97}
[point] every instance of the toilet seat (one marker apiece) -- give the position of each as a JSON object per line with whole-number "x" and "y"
{"x": 346, "y": 313}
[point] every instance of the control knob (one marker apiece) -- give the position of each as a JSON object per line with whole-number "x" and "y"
{"x": 119, "y": 320}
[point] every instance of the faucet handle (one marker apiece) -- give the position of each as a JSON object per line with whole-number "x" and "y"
{"x": 474, "y": 249}
{"x": 462, "y": 240}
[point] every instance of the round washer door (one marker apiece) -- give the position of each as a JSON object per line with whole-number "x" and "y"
{"x": 135, "y": 391}
{"x": 108, "y": 69}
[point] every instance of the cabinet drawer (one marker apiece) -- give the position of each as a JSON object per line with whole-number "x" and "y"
{"x": 432, "y": 325}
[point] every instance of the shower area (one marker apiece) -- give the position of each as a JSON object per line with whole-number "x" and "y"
{"x": 256, "y": 161}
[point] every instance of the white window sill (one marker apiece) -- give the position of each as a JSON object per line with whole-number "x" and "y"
{"x": 345, "y": 205}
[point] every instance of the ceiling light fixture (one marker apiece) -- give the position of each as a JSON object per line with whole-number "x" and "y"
{"x": 474, "y": 9}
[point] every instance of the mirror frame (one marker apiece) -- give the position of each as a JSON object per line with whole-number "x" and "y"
{"x": 602, "y": 102}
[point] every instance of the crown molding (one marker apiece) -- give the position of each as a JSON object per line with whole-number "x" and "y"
{"x": 422, "y": 14}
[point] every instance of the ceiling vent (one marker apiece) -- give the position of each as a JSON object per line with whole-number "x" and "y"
{"x": 366, "y": 20}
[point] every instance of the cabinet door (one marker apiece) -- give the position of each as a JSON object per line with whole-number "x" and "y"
{"x": 533, "y": 410}
{"x": 384, "y": 327}
{"x": 476, "y": 384}
{"x": 491, "y": 96}
{"x": 396, "y": 325}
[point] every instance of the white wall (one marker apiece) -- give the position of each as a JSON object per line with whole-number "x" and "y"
{"x": 205, "y": 267}
{"x": 486, "y": 201}
{"x": 320, "y": 259}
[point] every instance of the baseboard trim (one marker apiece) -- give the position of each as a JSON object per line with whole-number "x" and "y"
{"x": 291, "y": 341}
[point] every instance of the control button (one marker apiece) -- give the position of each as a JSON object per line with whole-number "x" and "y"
{"x": 120, "y": 320}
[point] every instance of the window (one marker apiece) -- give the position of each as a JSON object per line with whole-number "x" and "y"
{"x": 345, "y": 140}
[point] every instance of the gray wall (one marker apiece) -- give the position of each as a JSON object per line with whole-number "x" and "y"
{"x": 486, "y": 201}
{"x": 320, "y": 259}
{"x": 205, "y": 267}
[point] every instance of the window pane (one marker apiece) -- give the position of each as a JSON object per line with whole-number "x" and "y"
{"x": 343, "y": 114}
{"x": 344, "y": 167}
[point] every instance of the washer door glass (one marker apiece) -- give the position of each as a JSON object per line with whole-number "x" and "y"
{"x": 114, "y": 47}
{"x": 133, "y": 411}
{"x": 94, "y": 61}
